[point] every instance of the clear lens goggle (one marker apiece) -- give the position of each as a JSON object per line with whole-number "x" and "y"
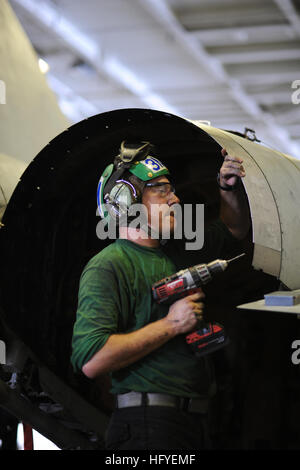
{"x": 162, "y": 187}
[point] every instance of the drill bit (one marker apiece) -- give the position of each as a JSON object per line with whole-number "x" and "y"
{"x": 221, "y": 264}
{"x": 236, "y": 257}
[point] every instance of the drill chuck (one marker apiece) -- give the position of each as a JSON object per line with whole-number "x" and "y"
{"x": 204, "y": 273}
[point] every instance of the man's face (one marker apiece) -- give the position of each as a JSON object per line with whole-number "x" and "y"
{"x": 158, "y": 201}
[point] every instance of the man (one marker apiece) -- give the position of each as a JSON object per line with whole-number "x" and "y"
{"x": 162, "y": 390}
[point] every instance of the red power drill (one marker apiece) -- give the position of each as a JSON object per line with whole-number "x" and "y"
{"x": 208, "y": 337}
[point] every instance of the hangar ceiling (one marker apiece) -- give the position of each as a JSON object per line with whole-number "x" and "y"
{"x": 234, "y": 63}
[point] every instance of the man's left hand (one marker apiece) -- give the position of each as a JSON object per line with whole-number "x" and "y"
{"x": 231, "y": 170}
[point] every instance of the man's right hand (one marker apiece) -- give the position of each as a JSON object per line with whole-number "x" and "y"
{"x": 121, "y": 350}
{"x": 186, "y": 312}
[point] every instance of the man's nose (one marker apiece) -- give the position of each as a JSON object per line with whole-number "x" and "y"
{"x": 173, "y": 199}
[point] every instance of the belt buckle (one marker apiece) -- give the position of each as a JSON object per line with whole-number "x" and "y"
{"x": 129, "y": 399}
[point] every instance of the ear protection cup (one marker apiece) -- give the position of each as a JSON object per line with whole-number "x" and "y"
{"x": 121, "y": 197}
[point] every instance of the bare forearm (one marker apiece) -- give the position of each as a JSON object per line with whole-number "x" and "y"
{"x": 234, "y": 209}
{"x": 121, "y": 350}
{"x": 234, "y": 212}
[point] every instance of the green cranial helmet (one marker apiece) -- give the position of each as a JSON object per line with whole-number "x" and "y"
{"x": 148, "y": 169}
{"x": 122, "y": 182}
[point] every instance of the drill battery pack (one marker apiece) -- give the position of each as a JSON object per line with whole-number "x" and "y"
{"x": 208, "y": 338}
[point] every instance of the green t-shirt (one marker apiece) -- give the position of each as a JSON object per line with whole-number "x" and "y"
{"x": 115, "y": 297}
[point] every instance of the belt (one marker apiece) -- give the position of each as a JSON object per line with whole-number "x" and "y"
{"x": 133, "y": 399}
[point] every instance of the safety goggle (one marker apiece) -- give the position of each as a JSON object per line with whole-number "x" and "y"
{"x": 163, "y": 188}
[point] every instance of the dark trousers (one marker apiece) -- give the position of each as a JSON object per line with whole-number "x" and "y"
{"x": 157, "y": 427}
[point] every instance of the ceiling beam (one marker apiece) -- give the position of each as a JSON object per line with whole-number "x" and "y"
{"x": 260, "y": 56}
{"x": 290, "y": 12}
{"x": 226, "y": 14}
{"x": 50, "y": 17}
{"x": 254, "y": 78}
{"x": 165, "y": 16}
{"x": 273, "y": 97}
{"x": 244, "y": 35}
{"x": 289, "y": 117}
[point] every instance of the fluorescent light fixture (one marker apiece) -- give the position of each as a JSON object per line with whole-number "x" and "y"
{"x": 122, "y": 74}
{"x": 133, "y": 83}
{"x": 156, "y": 102}
{"x": 43, "y": 65}
{"x": 50, "y": 17}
